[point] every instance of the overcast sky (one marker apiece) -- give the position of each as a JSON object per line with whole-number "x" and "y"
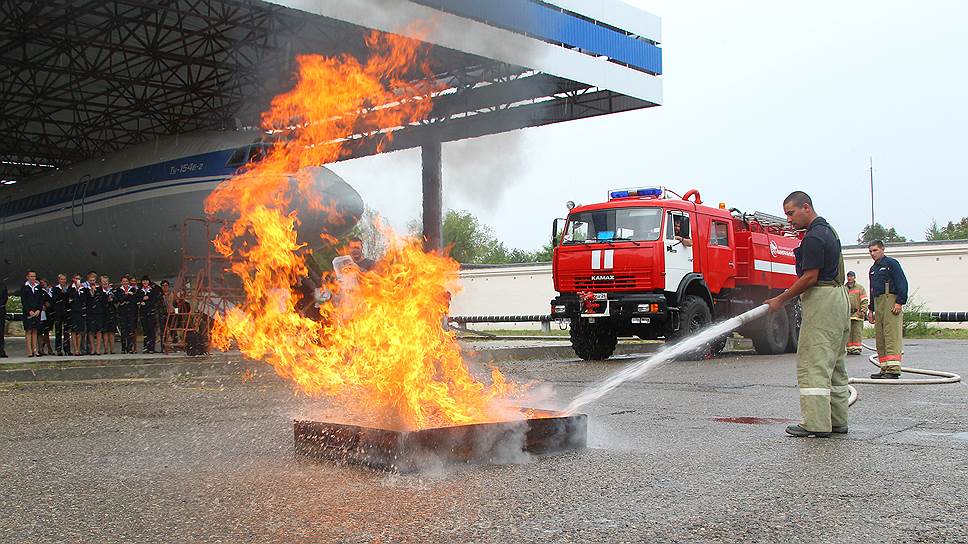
{"x": 761, "y": 98}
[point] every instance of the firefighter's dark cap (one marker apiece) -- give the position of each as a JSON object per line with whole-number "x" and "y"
{"x": 851, "y": 273}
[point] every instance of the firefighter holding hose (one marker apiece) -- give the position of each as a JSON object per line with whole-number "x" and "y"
{"x": 858, "y": 312}
{"x": 825, "y": 326}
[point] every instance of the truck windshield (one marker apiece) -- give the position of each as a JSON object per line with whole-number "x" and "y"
{"x": 636, "y": 224}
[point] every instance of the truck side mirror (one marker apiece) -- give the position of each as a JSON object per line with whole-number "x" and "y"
{"x": 557, "y": 229}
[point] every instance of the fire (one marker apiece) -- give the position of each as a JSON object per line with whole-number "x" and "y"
{"x": 382, "y": 351}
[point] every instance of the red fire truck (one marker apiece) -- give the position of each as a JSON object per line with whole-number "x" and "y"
{"x": 653, "y": 264}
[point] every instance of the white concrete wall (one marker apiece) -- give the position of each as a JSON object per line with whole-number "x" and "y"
{"x": 935, "y": 270}
{"x": 524, "y": 289}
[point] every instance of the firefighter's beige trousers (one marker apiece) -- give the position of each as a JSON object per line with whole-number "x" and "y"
{"x": 856, "y": 339}
{"x": 821, "y": 373}
{"x": 887, "y": 333}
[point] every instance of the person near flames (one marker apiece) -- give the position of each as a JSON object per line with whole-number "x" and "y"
{"x": 355, "y": 250}
{"x": 825, "y": 326}
{"x": 858, "y": 312}
{"x": 148, "y": 296}
{"x": 889, "y": 292}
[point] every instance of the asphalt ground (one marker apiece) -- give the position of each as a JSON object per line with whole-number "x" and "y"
{"x": 210, "y": 460}
{"x": 178, "y": 365}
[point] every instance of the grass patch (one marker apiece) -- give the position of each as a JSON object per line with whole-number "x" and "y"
{"x": 928, "y": 333}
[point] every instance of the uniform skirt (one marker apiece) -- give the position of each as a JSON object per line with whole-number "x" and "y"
{"x": 78, "y": 322}
{"x": 109, "y": 324}
{"x": 95, "y": 322}
{"x": 31, "y": 323}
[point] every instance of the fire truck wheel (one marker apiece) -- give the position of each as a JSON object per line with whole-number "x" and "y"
{"x": 772, "y": 334}
{"x": 694, "y": 315}
{"x": 593, "y": 341}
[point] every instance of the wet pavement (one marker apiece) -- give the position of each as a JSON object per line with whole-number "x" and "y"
{"x": 691, "y": 451}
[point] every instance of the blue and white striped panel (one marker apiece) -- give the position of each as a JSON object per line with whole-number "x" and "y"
{"x": 540, "y": 21}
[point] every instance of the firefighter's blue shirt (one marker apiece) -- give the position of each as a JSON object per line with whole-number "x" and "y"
{"x": 819, "y": 249}
{"x": 887, "y": 272}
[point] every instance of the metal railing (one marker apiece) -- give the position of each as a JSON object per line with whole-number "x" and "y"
{"x": 465, "y": 319}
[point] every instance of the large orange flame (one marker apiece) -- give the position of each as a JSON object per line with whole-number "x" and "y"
{"x": 382, "y": 350}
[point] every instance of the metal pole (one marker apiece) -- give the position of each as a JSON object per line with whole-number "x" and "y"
{"x": 432, "y": 196}
{"x": 872, "y": 191}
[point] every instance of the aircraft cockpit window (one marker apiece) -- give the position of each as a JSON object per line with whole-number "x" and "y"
{"x": 258, "y": 152}
{"x": 248, "y": 154}
{"x": 238, "y": 158}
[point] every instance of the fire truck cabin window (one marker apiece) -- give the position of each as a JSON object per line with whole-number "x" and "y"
{"x": 677, "y": 225}
{"x": 621, "y": 224}
{"x": 719, "y": 234}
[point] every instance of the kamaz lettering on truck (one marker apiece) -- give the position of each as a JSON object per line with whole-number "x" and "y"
{"x": 649, "y": 263}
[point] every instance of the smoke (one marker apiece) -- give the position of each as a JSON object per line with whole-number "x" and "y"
{"x": 481, "y": 170}
{"x": 477, "y": 170}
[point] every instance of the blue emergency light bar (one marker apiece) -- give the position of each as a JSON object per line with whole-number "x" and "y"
{"x": 641, "y": 192}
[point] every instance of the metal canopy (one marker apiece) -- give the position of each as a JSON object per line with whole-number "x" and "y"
{"x": 81, "y": 79}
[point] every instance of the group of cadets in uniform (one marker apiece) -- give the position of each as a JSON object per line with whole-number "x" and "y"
{"x": 85, "y": 314}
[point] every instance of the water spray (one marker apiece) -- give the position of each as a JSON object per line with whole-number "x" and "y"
{"x": 637, "y": 368}
{"x": 641, "y": 366}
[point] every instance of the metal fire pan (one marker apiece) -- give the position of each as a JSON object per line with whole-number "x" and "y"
{"x": 543, "y": 432}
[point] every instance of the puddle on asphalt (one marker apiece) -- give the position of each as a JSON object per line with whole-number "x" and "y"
{"x": 749, "y": 420}
{"x": 960, "y": 436}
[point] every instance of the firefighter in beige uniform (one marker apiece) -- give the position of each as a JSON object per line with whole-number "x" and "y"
{"x": 825, "y": 326}
{"x": 858, "y": 313}
{"x": 889, "y": 294}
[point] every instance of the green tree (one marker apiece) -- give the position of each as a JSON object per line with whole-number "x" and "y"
{"x": 879, "y": 232}
{"x": 471, "y": 241}
{"x": 544, "y": 254}
{"x": 951, "y": 231}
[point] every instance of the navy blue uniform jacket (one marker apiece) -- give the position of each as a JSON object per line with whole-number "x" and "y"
{"x": 888, "y": 271}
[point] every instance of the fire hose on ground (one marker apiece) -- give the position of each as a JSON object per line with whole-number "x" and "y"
{"x": 941, "y": 377}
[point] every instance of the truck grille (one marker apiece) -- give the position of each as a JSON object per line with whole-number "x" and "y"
{"x": 621, "y": 282}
